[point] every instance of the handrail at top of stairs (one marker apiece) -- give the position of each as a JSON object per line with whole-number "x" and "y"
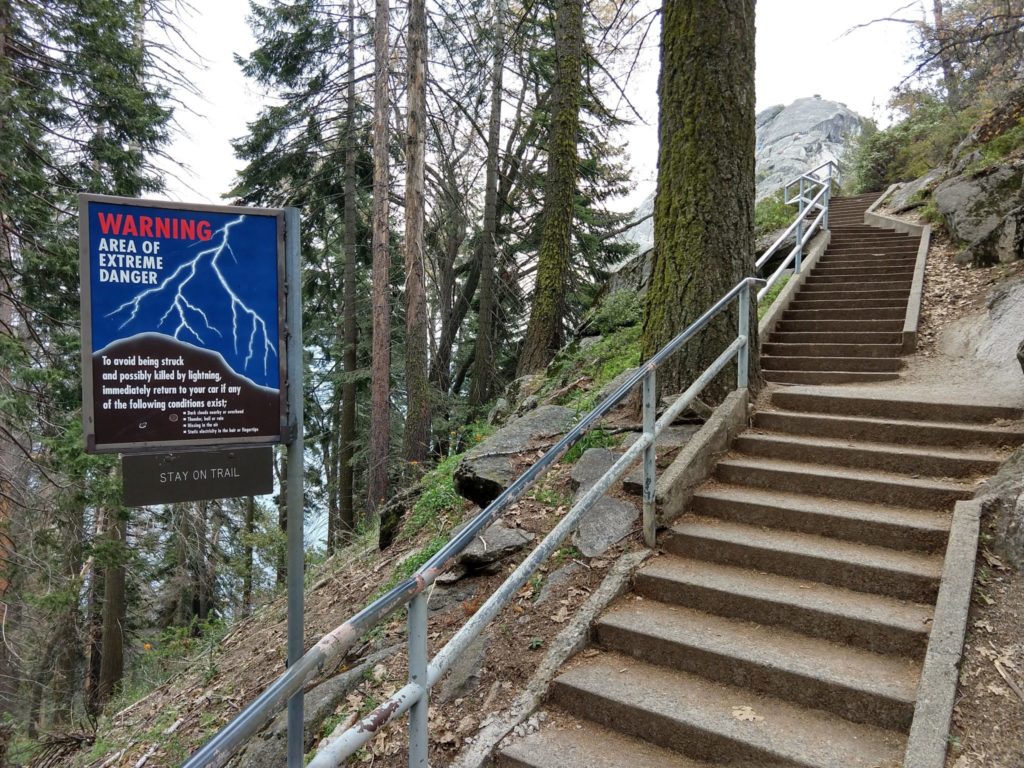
{"x": 424, "y": 672}
{"x": 807, "y": 184}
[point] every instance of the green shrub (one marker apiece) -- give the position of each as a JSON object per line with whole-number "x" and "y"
{"x": 618, "y": 310}
{"x": 999, "y": 148}
{"x": 595, "y": 438}
{"x": 906, "y": 150}
{"x": 602, "y": 362}
{"x": 772, "y": 214}
{"x": 437, "y": 501}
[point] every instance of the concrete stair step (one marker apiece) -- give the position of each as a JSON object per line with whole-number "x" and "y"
{"x": 853, "y": 282}
{"x": 815, "y": 302}
{"x": 855, "y": 291}
{"x": 900, "y": 264}
{"x": 888, "y": 457}
{"x": 895, "y": 573}
{"x": 860, "y": 364}
{"x": 866, "y": 621}
{"x": 842, "y": 483}
{"x": 702, "y": 718}
{"x": 855, "y": 684}
{"x": 826, "y": 377}
{"x": 585, "y": 744}
{"x": 844, "y": 244}
{"x": 825, "y": 269}
{"x": 887, "y": 408}
{"x": 825, "y": 325}
{"x": 852, "y": 240}
{"x": 896, "y": 527}
{"x": 889, "y": 430}
{"x": 836, "y": 349}
{"x": 873, "y": 338}
{"x": 849, "y": 228}
{"x": 870, "y": 314}
{"x": 894, "y": 255}
{"x": 832, "y": 292}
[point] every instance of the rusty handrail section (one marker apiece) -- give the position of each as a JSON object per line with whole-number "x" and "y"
{"x": 423, "y": 673}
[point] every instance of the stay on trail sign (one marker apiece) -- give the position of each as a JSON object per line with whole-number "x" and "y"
{"x": 182, "y": 324}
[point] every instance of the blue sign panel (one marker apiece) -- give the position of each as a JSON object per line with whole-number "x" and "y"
{"x": 181, "y": 324}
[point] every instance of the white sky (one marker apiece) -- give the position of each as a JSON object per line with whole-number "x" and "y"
{"x": 858, "y": 70}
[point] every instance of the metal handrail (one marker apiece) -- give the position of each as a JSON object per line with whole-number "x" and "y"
{"x": 423, "y": 674}
{"x": 808, "y": 183}
{"x": 795, "y": 255}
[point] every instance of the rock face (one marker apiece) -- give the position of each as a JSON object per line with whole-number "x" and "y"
{"x": 489, "y": 468}
{"x": 790, "y": 140}
{"x": 993, "y": 338}
{"x": 495, "y": 544}
{"x": 794, "y": 139}
{"x": 985, "y": 212}
{"x": 913, "y": 193}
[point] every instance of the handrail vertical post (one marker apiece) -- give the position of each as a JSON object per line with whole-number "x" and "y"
{"x": 418, "y": 663}
{"x": 743, "y": 356}
{"x": 295, "y": 473}
{"x": 800, "y": 229}
{"x": 650, "y": 479}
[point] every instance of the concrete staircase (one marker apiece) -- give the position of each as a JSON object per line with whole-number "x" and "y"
{"x": 786, "y": 621}
{"x": 845, "y": 324}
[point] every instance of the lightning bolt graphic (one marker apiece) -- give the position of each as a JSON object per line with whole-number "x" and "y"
{"x": 245, "y": 322}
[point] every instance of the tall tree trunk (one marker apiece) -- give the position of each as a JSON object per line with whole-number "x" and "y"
{"x": 203, "y": 576}
{"x": 114, "y": 609}
{"x": 248, "y": 532}
{"x": 945, "y": 56}
{"x": 328, "y": 444}
{"x": 704, "y": 208}
{"x": 483, "y": 371}
{"x": 280, "y": 565}
{"x": 544, "y": 332}
{"x": 441, "y": 369}
{"x": 380, "y": 375}
{"x": 94, "y": 628}
{"x": 12, "y": 469}
{"x": 67, "y": 649}
{"x": 183, "y": 582}
{"x": 416, "y": 438}
{"x": 346, "y": 491}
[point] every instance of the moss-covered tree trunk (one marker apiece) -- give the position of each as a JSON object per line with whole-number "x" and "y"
{"x": 543, "y": 334}
{"x": 704, "y": 208}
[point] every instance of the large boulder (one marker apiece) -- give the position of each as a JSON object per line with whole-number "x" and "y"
{"x": 913, "y": 194}
{"x": 791, "y": 140}
{"x": 489, "y": 468}
{"x": 794, "y": 139}
{"x": 985, "y": 211}
{"x": 494, "y": 545}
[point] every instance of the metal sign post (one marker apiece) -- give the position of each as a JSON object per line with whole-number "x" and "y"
{"x": 296, "y": 462}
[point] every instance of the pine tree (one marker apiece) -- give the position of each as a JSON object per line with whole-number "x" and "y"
{"x": 416, "y": 439}
{"x": 380, "y": 382}
{"x": 543, "y": 334}
{"x": 704, "y": 209}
